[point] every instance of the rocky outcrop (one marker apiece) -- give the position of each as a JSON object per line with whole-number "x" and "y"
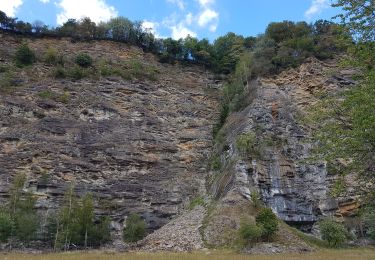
{"x": 280, "y": 166}
{"x": 137, "y": 145}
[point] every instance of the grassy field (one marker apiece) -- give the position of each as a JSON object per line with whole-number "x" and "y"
{"x": 320, "y": 255}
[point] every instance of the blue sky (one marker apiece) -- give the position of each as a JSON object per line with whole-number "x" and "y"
{"x": 176, "y": 18}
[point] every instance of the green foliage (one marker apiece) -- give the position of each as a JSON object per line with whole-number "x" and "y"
{"x": 359, "y": 17}
{"x": 59, "y": 73}
{"x": 8, "y": 81}
{"x": 370, "y": 223}
{"x": 6, "y": 225}
{"x": 83, "y": 60}
{"x": 198, "y": 201}
{"x": 19, "y": 219}
{"x": 268, "y": 221}
{"x": 26, "y": 225}
{"x": 250, "y": 233}
{"x": 334, "y": 233}
{"x": 347, "y": 130}
{"x": 255, "y": 199}
{"x": 24, "y": 56}
{"x": 4, "y": 68}
{"x": 227, "y": 51}
{"x": 76, "y": 72}
{"x": 216, "y": 163}
{"x": 51, "y": 56}
{"x": 246, "y": 143}
{"x": 135, "y": 229}
{"x": 75, "y": 224}
{"x": 47, "y": 94}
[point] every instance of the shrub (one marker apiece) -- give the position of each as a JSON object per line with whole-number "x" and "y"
{"x": 246, "y": 143}
{"x": 76, "y": 73}
{"x": 100, "y": 233}
{"x": 268, "y": 221}
{"x": 24, "y": 56}
{"x": 196, "y": 202}
{"x": 135, "y": 229}
{"x": 7, "y": 81}
{"x": 370, "y": 222}
{"x": 59, "y": 73}
{"x": 51, "y": 56}
{"x": 216, "y": 163}
{"x": 255, "y": 198}
{"x": 6, "y": 225}
{"x": 26, "y": 226}
{"x": 250, "y": 233}
{"x": 4, "y": 68}
{"x": 84, "y": 60}
{"x": 334, "y": 233}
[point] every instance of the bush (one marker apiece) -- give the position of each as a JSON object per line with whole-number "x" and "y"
{"x": 255, "y": 199}
{"x": 370, "y": 222}
{"x": 51, "y": 57}
{"x": 334, "y": 233}
{"x": 246, "y": 143}
{"x": 135, "y": 229}
{"x": 76, "y": 73}
{"x": 268, "y": 221}
{"x": 84, "y": 60}
{"x": 59, "y": 73}
{"x": 24, "y": 56}
{"x": 26, "y": 226}
{"x": 198, "y": 201}
{"x": 6, "y": 225}
{"x": 250, "y": 233}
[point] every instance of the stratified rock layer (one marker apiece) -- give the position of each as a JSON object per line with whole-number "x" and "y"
{"x": 137, "y": 145}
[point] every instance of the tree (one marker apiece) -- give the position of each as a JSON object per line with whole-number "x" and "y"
{"x": 38, "y": 27}
{"x": 86, "y": 217}
{"x": 3, "y": 19}
{"x": 268, "y": 221}
{"x": 280, "y": 32}
{"x": 227, "y": 51}
{"x": 86, "y": 29}
{"x": 69, "y": 28}
{"x": 121, "y": 29}
{"x": 6, "y": 225}
{"x": 135, "y": 228}
{"x": 24, "y": 56}
{"x": 84, "y": 60}
{"x": 334, "y": 233}
{"x": 250, "y": 233}
{"x": 75, "y": 224}
{"x": 359, "y": 17}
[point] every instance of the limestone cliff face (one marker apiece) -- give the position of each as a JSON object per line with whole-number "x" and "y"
{"x": 280, "y": 167}
{"x": 137, "y": 145}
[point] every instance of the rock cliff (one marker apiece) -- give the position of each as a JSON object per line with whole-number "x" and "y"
{"x": 280, "y": 166}
{"x": 138, "y": 145}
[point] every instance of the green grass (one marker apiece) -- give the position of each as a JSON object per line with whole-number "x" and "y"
{"x": 48, "y": 94}
{"x": 344, "y": 254}
{"x": 311, "y": 240}
{"x": 198, "y": 201}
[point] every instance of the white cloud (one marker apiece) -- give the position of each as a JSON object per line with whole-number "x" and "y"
{"x": 316, "y": 7}
{"x": 180, "y": 28}
{"x": 97, "y": 10}
{"x": 181, "y": 31}
{"x": 206, "y": 2}
{"x": 44, "y": 1}
{"x": 151, "y": 27}
{"x": 207, "y": 16}
{"x": 189, "y": 18}
{"x": 10, "y": 6}
{"x": 179, "y": 3}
